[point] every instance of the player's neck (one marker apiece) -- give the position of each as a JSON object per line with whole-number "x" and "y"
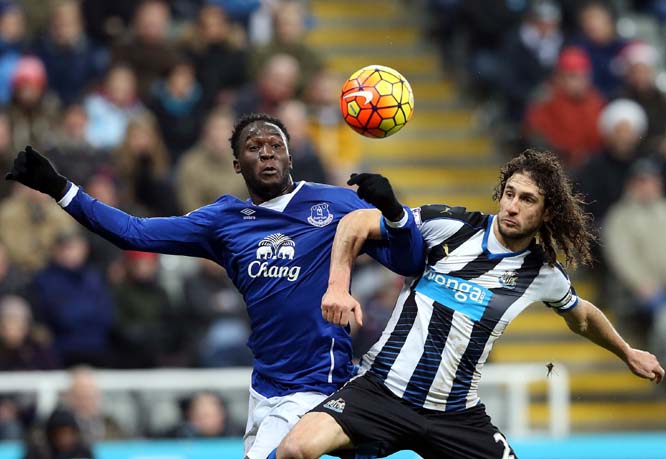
{"x": 261, "y": 196}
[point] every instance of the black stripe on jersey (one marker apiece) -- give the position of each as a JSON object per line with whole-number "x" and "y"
{"x": 502, "y": 299}
{"x": 477, "y": 267}
{"x": 426, "y": 370}
{"x": 433, "y": 211}
{"x": 389, "y": 352}
{"x": 452, "y": 243}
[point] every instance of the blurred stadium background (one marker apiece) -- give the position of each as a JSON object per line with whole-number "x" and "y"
{"x": 136, "y": 100}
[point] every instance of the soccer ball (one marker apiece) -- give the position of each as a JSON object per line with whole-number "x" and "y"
{"x": 376, "y": 101}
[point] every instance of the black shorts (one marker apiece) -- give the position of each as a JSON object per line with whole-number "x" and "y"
{"x": 379, "y": 424}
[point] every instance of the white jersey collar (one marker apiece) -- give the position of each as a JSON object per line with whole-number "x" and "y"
{"x": 279, "y": 203}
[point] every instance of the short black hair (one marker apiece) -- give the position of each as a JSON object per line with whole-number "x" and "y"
{"x": 250, "y": 118}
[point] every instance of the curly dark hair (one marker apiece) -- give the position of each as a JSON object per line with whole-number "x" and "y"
{"x": 250, "y": 118}
{"x": 569, "y": 229}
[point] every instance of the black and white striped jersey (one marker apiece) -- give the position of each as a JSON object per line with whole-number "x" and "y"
{"x": 445, "y": 322}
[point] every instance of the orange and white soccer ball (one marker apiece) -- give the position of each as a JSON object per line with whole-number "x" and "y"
{"x": 376, "y": 101}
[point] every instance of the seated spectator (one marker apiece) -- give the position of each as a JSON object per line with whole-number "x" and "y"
{"x": 12, "y": 44}
{"x": 307, "y": 162}
{"x": 11, "y": 418}
{"x": 110, "y": 109}
{"x": 145, "y": 329}
{"x": 288, "y": 38}
{"x": 601, "y": 180}
{"x": 529, "y": 54}
{"x": 148, "y": 50}
{"x": 566, "y": 120}
{"x": 638, "y": 62}
{"x": 219, "y": 62}
{"x": 636, "y": 253}
{"x": 141, "y": 164}
{"x": 7, "y": 154}
{"x": 205, "y": 416}
{"x": 60, "y": 438}
{"x": 599, "y": 39}
{"x": 23, "y": 348}
{"x": 84, "y": 398}
{"x": 73, "y": 301}
{"x": 68, "y": 146}
{"x": 72, "y": 62}
{"x": 29, "y": 224}
{"x": 177, "y": 104}
{"x": 33, "y": 111}
{"x": 217, "y": 318}
{"x": 276, "y": 82}
{"x": 205, "y": 172}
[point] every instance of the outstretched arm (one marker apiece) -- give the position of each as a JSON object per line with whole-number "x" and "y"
{"x": 175, "y": 235}
{"x": 587, "y": 320}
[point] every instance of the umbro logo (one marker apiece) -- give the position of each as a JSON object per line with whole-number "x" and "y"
{"x": 248, "y": 213}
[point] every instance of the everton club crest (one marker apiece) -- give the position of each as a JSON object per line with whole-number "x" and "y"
{"x": 319, "y": 215}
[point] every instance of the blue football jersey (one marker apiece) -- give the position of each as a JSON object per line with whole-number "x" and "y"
{"x": 277, "y": 254}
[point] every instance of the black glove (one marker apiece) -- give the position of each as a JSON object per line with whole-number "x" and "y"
{"x": 376, "y": 189}
{"x": 36, "y": 171}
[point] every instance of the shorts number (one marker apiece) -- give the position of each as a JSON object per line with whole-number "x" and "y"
{"x": 499, "y": 438}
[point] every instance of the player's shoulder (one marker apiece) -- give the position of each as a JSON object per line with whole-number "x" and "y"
{"x": 316, "y": 187}
{"x": 221, "y": 204}
{"x": 431, "y": 212}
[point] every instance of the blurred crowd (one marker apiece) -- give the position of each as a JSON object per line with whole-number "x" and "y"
{"x": 561, "y": 76}
{"x": 135, "y": 101}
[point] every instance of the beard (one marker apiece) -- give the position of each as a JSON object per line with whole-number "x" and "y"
{"x": 518, "y": 234}
{"x": 268, "y": 190}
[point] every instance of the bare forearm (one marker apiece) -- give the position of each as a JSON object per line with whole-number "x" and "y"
{"x": 352, "y": 232}
{"x": 597, "y": 328}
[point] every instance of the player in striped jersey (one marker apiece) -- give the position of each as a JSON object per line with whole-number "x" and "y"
{"x": 418, "y": 389}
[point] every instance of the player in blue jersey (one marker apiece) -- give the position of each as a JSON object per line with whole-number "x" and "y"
{"x": 276, "y": 249}
{"x": 418, "y": 388}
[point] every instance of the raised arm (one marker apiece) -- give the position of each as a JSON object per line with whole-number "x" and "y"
{"x": 588, "y": 321}
{"x": 186, "y": 235}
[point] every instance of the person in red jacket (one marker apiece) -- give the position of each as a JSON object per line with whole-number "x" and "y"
{"x": 566, "y": 120}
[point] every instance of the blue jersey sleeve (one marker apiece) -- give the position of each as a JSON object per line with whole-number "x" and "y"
{"x": 183, "y": 235}
{"x": 402, "y": 248}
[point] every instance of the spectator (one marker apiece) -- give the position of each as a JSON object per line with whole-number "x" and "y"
{"x": 29, "y": 224}
{"x": 177, "y": 104}
{"x": 72, "y": 62}
{"x": 205, "y": 416}
{"x": 566, "y": 119}
{"x": 339, "y": 146}
{"x": 636, "y": 252}
{"x": 13, "y": 281}
{"x": 529, "y": 54}
{"x": 145, "y": 329}
{"x": 204, "y": 173}
{"x": 622, "y": 124}
{"x": 105, "y": 21}
{"x": 33, "y": 110}
{"x": 84, "y": 399}
{"x": 213, "y": 304}
{"x": 289, "y": 25}
{"x": 220, "y": 64}
{"x": 22, "y": 347}
{"x": 69, "y": 146}
{"x": 637, "y": 64}
{"x": 73, "y": 301}
{"x": 11, "y": 422}
{"x": 142, "y": 166}
{"x": 61, "y": 438}
{"x": 12, "y": 44}
{"x": 307, "y": 162}
{"x": 276, "y": 82}
{"x": 599, "y": 39}
{"x": 148, "y": 50}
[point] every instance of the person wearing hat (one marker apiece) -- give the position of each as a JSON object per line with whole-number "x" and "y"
{"x": 565, "y": 121}
{"x": 60, "y": 439}
{"x": 636, "y": 251}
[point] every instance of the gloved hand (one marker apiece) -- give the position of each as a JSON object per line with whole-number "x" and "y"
{"x": 376, "y": 189}
{"x": 35, "y": 171}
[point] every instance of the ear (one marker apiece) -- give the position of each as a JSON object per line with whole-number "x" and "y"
{"x": 547, "y": 215}
{"x": 237, "y": 167}
{"x": 291, "y": 165}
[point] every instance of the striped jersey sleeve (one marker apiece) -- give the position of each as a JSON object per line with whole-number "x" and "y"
{"x": 559, "y": 294}
{"x": 440, "y": 222}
